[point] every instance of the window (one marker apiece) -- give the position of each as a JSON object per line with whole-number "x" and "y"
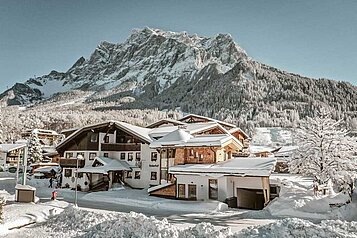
{"x": 80, "y": 153}
{"x": 69, "y": 155}
{"x": 196, "y": 154}
{"x": 129, "y": 174}
{"x": 94, "y": 137}
{"x": 200, "y": 157}
{"x": 122, "y": 156}
{"x": 68, "y": 173}
{"x": 130, "y": 156}
{"x": 138, "y": 156}
{"x": 153, "y": 156}
{"x": 153, "y": 175}
{"x": 106, "y": 139}
{"x": 92, "y": 156}
{"x": 191, "y": 152}
{"x": 181, "y": 191}
{"x": 106, "y": 155}
{"x": 213, "y": 189}
{"x": 171, "y": 153}
{"x": 137, "y": 175}
{"x": 80, "y": 175}
{"x": 192, "y": 191}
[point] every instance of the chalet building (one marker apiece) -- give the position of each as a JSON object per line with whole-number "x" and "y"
{"x": 10, "y": 154}
{"x": 47, "y": 137}
{"x": 48, "y": 140}
{"x": 112, "y": 152}
{"x": 194, "y": 158}
{"x": 244, "y": 182}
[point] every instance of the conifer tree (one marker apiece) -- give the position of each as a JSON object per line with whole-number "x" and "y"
{"x": 35, "y": 149}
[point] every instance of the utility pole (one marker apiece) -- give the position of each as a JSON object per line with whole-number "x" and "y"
{"x": 75, "y": 193}
{"x": 25, "y": 165}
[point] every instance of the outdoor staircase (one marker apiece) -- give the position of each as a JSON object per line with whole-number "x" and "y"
{"x": 163, "y": 190}
{"x": 100, "y": 185}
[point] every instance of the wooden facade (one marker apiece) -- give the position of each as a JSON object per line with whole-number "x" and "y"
{"x": 88, "y": 140}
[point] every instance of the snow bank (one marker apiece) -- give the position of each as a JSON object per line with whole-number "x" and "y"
{"x": 85, "y": 223}
{"x": 7, "y": 196}
{"x": 294, "y": 227}
{"x": 75, "y": 222}
{"x": 296, "y": 200}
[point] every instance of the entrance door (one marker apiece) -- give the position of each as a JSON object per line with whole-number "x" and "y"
{"x": 117, "y": 176}
{"x": 181, "y": 191}
{"x": 213, "y": 189}
{"x": 192, "y": 194}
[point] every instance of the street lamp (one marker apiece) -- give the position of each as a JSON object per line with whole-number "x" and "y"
{"x": 75, "y": 193}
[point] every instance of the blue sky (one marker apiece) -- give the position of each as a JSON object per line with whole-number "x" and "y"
{"x": 312, "y": 38}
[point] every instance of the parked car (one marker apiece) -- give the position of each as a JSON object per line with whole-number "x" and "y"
{"x": 14, "y": 169}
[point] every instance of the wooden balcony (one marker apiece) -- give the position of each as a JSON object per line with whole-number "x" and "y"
{"x": 71, "y": 162}
{"x": 121, "y": 147}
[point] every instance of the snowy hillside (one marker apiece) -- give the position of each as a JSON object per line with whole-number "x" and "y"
{"x": 273, "y": 136}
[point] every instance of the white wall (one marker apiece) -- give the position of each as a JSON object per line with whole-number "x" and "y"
{"x": 227, "y": 185}
{"x": 202, "y": 186}
{"x": 72, "y": 180}
{"x": 147, "y": 166}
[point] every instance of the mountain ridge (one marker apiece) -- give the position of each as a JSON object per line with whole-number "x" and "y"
{"x": 210, "y": 76}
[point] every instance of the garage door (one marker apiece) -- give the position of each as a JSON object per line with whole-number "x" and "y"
{"x": 250, "y": 198}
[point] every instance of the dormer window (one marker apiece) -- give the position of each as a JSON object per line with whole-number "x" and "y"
{"x": 94, "y": 137}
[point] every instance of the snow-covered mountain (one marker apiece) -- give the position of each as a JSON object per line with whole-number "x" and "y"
{"x": 149, "y": 61}
{"x": 209, "y": 76}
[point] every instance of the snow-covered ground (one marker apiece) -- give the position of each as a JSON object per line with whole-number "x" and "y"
{"x": 175, "y": 218}
{"x": 140, "y": 198}
{"x": 76, "y": 222}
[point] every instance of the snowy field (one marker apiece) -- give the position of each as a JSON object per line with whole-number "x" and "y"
{"x": 296, "y": 213}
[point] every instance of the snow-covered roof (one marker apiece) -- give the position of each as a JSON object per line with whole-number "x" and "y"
{"x": 207, "y": 118}
{"x": 108, "y": 164}
{"x": 41, "y": 131}
{"x": 286, "y": 151}
{"x": 180, "y": 138}
{"x": 47, "y": 169}
{"x": 237, "y": 166}
{"x": 164, "y": 121}
{"x": 140, "y": 132}
{"x": 24, "y": 187}
{"x": 259, "y": 149}
{"x": 10, "y": 147}
{"x": 191, "y": 128}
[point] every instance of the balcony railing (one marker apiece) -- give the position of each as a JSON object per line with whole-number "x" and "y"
{"x": 120, "y": 147}
{"x": 71, "y": 162}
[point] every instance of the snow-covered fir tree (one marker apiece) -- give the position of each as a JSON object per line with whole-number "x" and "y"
{"x": 35, "y": 149}
{"x": 325, "y": 151}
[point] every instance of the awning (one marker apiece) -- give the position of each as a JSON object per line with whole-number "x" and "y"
{"x": 106, "y": 165}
